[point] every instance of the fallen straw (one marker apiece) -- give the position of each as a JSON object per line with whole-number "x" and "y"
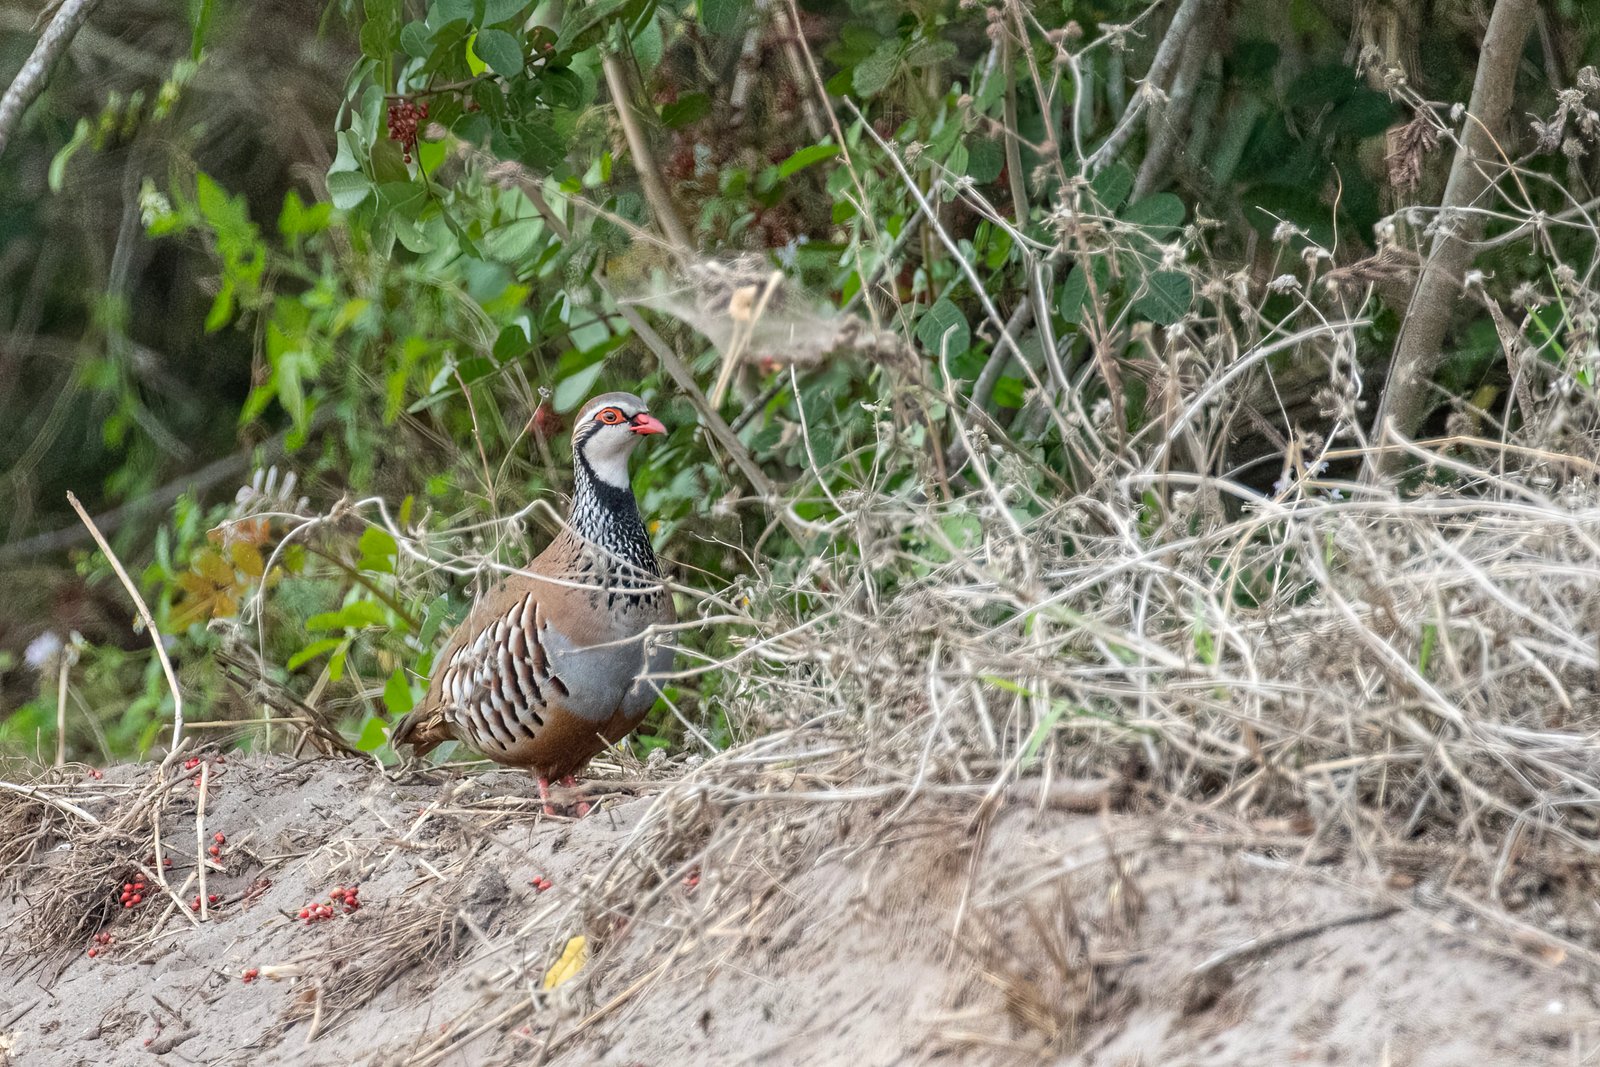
{"x": 146, "y": 617}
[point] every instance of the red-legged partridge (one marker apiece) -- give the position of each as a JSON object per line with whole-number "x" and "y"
{"x": 551, "y": 665}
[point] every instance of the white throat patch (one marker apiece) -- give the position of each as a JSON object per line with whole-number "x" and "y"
{"x": 607, "y": 451}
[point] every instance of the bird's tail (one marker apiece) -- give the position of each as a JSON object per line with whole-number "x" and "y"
{"x": 423, "y": 728}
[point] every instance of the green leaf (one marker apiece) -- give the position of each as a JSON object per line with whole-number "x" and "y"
{"x": 1074, "y": 300}
{"x": 221, "y": 309}
{"x": 649, "y": 45}
{"x": 298, "y": 220}
{"x": 200, "y": 12}
{"x": 414, "y": 40}
{"x": 720, "y": 16}
{"x": 501, "y": 51}
{"x": 1041, "y": 732}
{"x": 686, "y": 109}
{"x": 388, "y": 164}
{"x": 397, "y": 695}
{"x": 403, "y": 198}
{"x": 985, "y": 159}
{"x": 313, "y": 650}
{"x": 582, "y": 27}
{"x": 496, "y": 11}
{"x": 513, "y": 242}
{"x": 510, "y": 344}
{"x": 1158, "y": 214}
{"x": 443, "y": 12}
{"x": 1112, "y": 186}
{"x": 1167, "y": 297}
{"x": 413, "y": 235}
{"x": 957, "y": 159}
{"x": 873, "y": 74}
{"x": 574, "y": 389}
{"x": 353, "y": 616}
{"x": 1366, "y": 114}
{"x": 433, "y": 621}
{"x": 58, "y": 165}
{"x": 539, "y": 144}
{"x": 348, "y": 188}
{"x": 927, "y": 52}
{"x": 560, "y": 87}
{"x": 942, "y": 329}
{"x": 805, "y": 157}
{"x": 375, "y": 39}
{"x": 378, "y": 550}
{"x": 374, "y": 735}
{"x": 1008, "y": 392}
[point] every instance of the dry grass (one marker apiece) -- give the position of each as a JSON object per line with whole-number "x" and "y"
{"x": 1410, "y": 679}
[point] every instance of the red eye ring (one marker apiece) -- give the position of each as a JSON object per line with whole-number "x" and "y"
{"x": 609, "y": 416}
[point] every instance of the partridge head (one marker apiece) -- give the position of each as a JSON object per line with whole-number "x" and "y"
{"x": 558, "y": 660}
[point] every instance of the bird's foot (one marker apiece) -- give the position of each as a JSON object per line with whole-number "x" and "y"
{"x": 580, "y": 806}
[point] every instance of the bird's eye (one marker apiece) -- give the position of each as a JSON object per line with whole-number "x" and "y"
{"x": 609, "y": 416}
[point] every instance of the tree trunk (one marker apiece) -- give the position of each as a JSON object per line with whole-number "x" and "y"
{"x": 1417, "y": 354}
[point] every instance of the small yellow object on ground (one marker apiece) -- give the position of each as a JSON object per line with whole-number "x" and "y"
{"x": 573, "y": 957}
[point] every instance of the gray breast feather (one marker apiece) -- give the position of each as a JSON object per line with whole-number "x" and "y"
{"x": 642, "y": 694}
{"x": 603, "y": 678}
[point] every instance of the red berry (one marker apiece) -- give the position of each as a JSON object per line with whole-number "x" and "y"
{"x": 215, "y": 851}
{"x": 137, "y": 898}
{"x": 211, "y": 898}
{"x": 219, "y": 839}
{"x": 93, "y": 953}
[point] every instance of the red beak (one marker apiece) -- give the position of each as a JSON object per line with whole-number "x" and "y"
{"x": 644, "y": 422}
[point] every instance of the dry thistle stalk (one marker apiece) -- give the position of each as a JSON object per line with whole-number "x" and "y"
{"x": 1409, "y": 145}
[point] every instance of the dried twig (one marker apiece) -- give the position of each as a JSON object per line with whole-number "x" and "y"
{"x": 644, "y": 163}
{"x": 146, "y": 617}
{"x": 30, "y": 80}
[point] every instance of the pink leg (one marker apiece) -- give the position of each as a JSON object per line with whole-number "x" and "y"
{"x": 544, "y": 795}
{"x": 571, "y": 782}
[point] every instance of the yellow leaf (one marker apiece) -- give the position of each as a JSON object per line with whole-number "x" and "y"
{"x": 573, "y": 957}
{"x": 247, "y": 558}
{"x": 215, "y": 568}
{"x": 476, "y": 67}
{"x": 194, "y": 584}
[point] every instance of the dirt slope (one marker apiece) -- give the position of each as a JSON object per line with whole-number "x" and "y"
{"x": 768, "y": 930}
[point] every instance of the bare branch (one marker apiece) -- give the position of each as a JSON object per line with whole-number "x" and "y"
{"x": 644, "y": 163}
{"x": 1183, "y": 24}
{"x": 1417, "y": 353}
{"x": 35, "y": 72}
